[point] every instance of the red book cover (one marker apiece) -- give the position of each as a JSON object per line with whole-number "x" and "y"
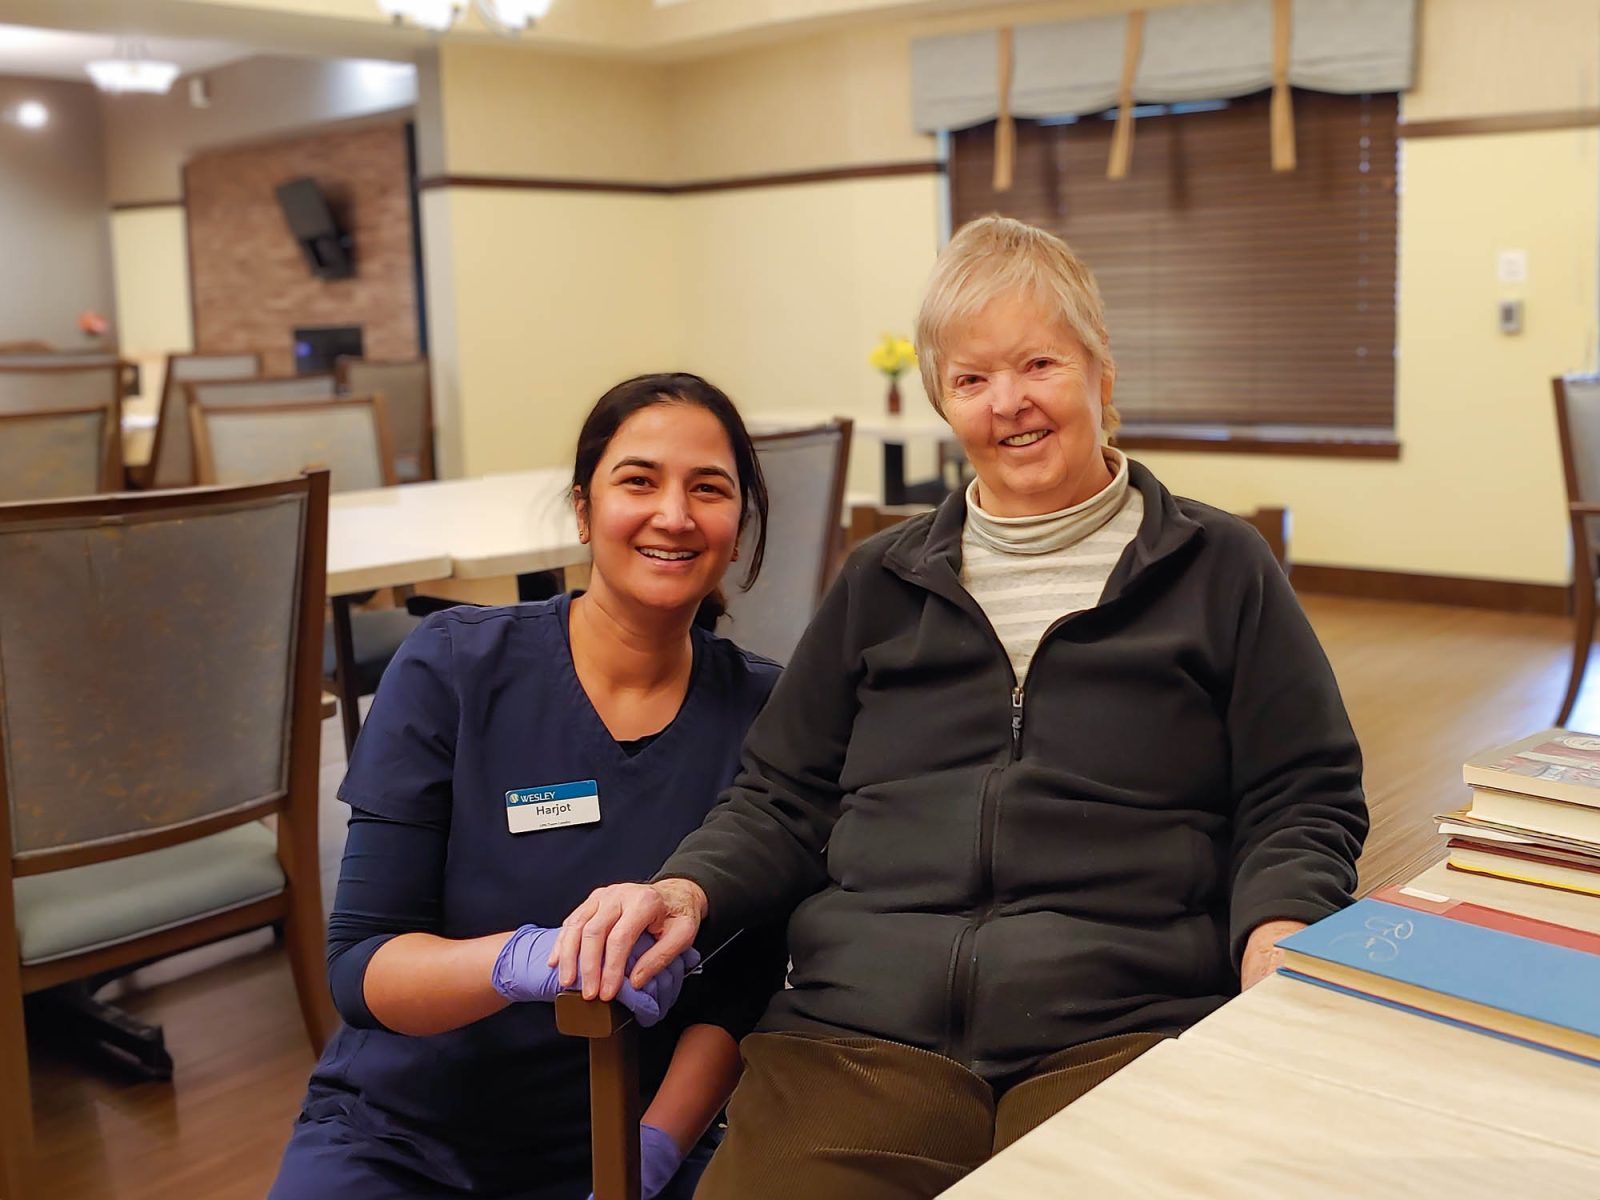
{"x": 1492, "y": 918}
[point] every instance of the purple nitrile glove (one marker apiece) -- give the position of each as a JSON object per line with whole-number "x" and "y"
{"x": 663, "y": 987}
{"x": 521, "y": 974}
{"x": 659, "y": 1159}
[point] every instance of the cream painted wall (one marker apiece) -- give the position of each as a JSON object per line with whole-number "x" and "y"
{"x": 819, "y": 102}
{"x": 1488, "y": 57}
{"x": 790, "y": 287}
{"x": 506, "y": 111}
{"x": 150, "y": 260}
{"x": 557, "y": 295}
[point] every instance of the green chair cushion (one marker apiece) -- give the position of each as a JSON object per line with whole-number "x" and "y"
{"x": 87, "y": 908}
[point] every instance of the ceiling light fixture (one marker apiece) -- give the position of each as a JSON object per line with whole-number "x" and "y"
{"x": 131, "y": 70}
{"x": 509, "y": 17}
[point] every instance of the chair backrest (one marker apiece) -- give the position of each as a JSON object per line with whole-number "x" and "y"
{"x": 39, "y": 386}
{"x": 348, "y": 436}
{"x": 405, "y": 388}
{"x": 292, "y": 389}
{"x": 161, "y": 655}
{"x": 57, "y": 453}
{"x": 1578, "y": 424}
{"x": 171, "y": 453}
{"x": 805, "y": 470}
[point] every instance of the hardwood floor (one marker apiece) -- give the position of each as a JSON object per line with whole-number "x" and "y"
{"x": 1425, "y": 687}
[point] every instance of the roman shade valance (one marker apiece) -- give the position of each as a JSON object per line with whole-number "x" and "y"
{"x": 1194, "y": 52}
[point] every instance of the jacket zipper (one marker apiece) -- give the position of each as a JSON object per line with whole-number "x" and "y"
{"x": 1016, "y": 723}
{"x": 964, "y": 955}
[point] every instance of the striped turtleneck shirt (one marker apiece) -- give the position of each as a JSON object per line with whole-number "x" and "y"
{"x": 1026, "y": 573}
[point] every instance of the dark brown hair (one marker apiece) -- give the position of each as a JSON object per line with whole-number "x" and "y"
{"x": 643, "y": 391}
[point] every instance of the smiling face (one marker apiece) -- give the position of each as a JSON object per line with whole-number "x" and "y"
{"x": 1024, "y": 398}
{"x": 661, "y": 512}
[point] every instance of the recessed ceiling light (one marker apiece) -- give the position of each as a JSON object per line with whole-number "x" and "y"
{"x": 31, "y": 114}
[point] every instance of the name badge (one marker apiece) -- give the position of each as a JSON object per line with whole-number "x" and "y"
{"x": 529, "y": 810}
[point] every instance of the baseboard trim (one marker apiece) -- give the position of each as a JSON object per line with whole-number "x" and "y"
{"x": 1501, "y": 595}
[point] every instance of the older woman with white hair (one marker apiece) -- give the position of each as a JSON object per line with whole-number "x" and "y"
{"x": 1048, "y": 776}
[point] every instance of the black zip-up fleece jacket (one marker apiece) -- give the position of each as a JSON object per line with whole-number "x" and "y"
{"x": 996, "y": 873}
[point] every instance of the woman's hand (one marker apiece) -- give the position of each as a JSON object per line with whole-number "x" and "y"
{"x": 1261, "y": 954}
{"x": 596, "y": 939}
{"x": 522, "y": 973}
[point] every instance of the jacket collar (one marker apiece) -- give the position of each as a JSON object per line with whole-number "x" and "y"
{"x": 929, "y": 553}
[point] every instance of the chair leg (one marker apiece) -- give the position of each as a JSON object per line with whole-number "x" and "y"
{"x": 1582, "y": 640}
{"x": 344, "y": 657}
{"x": 16, "y": 1098}
{"x": 304, "y": 938}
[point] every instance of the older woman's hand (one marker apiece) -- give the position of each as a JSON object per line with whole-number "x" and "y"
{"x": 596, "y": 939}
{"x": 1261, "y": 954}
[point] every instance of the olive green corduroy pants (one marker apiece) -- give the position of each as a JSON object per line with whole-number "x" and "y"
{"x": 826, "y": 1118}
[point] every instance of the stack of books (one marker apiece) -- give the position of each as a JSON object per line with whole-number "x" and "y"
{"x": 1504, "y": 939}
{"x": 1535, "y": 813}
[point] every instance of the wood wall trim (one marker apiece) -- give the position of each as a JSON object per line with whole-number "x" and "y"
{"x": 1308, "y": 446}
{"x": 732, "y": 183}
{"x": 540, "y": 184}
{"x": 1501, "y": 595}
{"x": 824, "y": 175}
{"x": 137, "y": 205}
{"x": 1534, "y": 122}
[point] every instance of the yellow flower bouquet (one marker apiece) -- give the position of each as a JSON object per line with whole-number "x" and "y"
{"x": 893, "y": 355}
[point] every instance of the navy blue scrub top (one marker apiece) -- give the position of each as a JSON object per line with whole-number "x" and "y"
{"x": 478, "y": 702}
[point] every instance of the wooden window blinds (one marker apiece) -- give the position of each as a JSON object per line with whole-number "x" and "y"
{"x": 1234, "y": 295}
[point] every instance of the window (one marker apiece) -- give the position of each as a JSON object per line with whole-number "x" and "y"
{"x": 1234, "y": 295}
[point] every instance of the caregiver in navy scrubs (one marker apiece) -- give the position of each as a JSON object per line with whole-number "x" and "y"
{"x": 514, "y": 759}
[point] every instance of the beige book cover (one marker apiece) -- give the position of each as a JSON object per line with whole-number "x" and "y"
{"x": 1573, "y": 821}
{"x": 1541, "y": 904}
{"x": 1558, "y": 764}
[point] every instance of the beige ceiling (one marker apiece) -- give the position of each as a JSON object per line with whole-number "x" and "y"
{"x": 612, "y": 28}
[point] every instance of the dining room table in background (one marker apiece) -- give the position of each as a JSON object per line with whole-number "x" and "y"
{"x": 489, "y": 527}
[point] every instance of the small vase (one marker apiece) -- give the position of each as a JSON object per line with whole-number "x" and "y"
{"x": 894, "y": 397}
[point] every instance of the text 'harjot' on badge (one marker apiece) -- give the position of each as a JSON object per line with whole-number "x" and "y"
{"x": 554, "y": 806}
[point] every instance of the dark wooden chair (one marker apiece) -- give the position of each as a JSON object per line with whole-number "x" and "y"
{"x": 161, "y": 658}
{"x": 261, "y": 440}
{"x": 349, "y": 437}
{"x": 614, "y": 1106}
{"x": 406, "y": 387}
{"x": 171, "y": 462}
{"x": 1577, "y": 400}
{"x": 1273, "y": 526}
{"x": 59, "y": 453}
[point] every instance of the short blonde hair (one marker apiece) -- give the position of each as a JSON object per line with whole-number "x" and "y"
{"x": 996, "y": 256}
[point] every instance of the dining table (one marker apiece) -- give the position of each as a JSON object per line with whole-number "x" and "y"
{"x": 487, "y": 527}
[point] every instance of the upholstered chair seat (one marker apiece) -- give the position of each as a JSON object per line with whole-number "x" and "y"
{"x": 104, "y": 904}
